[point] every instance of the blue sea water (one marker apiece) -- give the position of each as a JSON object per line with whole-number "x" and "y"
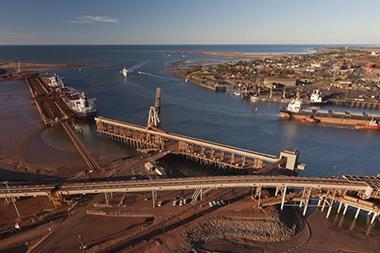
{"x": 191, "y": 110}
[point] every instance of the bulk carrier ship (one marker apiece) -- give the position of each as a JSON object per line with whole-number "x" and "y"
{"x": 76, "y": 101}
{"x": 295, "y": 111}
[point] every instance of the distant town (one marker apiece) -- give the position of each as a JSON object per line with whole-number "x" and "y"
{"x": 344, "y": 76}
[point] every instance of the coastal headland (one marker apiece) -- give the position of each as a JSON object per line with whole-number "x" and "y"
{"x": 24, "y": 65}
{"x": 10, "y": 70}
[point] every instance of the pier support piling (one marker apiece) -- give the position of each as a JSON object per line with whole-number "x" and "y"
{"x": 154, "y": 198}
{"x": 345, "y": 209}
{"x": 374, "y": 217}
{"x": 324, "y": 205}
{"x": 258, "y": 196}
{"x": 357, "y": 213}
{"x": 283, "y": 198}
{"x": 339, "y": 207}
{"x": 305, "y": 209}
{"x": 329, "y": 210}
{"x": 106, "y": 198}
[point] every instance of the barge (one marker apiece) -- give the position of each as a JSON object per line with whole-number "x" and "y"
{"x": 295, "y": 111}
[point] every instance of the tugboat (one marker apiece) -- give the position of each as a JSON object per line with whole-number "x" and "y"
{"x": 124, "y": 72}
{"x": 316, "y": 98}
{"x": 371, "y": 125}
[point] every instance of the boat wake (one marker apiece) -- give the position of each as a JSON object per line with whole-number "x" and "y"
{"x": 137, "y": 66}
{"x": 157, "y": 76}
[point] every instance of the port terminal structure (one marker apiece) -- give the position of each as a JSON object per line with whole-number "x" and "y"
{"x": 153, "y": 138}
{"x": 54, "y": 112}
{"x": 355, "y": 103}
{"x": 205, "y": 152}
{"x": 361, "y": 192}
{"x": 333, "y": 190}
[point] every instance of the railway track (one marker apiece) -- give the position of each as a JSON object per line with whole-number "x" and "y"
{"x": 87, "y": 157}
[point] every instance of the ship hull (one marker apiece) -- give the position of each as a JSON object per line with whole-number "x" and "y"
{"x": 318, "y": 103}
{"x": 326, "y": 118}
{"x": 368, "y": 127}
{"x": 86, "y": 116}
{"x": 80, "y": 115}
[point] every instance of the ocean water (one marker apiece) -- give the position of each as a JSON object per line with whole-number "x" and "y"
{"x": 191, "y": 110}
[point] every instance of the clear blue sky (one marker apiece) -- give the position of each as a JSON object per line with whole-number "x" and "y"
{"x": 189, "y": 21}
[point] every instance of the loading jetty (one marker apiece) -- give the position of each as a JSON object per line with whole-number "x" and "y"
{"x": 356, "y": 103}
{"x": 54, "y": 111}
{"x": 211, "y": 85}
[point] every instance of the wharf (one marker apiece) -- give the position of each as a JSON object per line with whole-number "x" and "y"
{"x": 211, "y": 85}
{"x": 355, "y": 103}
{"x": 205, "y": 152}
{"x": 50, "y": 107}
{"x": 54, "y": 112}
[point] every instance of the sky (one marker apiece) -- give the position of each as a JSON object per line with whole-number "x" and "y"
{"x": 189, "y": 22}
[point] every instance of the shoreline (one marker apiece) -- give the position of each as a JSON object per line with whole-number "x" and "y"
{"x": 35, "y": 66}
{"x": 267, "y": 75}
{"x": 21, "y": 147}
{"x": 243, "y": 55}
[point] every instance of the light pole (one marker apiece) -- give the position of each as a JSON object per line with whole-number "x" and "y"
{"x": 13, "y": 200}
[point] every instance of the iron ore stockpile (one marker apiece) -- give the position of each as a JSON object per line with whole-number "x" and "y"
{"x": 236, "y": 230}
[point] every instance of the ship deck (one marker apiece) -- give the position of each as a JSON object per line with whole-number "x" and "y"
{"x": 333, "y": 114}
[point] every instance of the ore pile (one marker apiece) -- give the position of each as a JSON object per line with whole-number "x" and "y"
{"x": 238, "y": 230}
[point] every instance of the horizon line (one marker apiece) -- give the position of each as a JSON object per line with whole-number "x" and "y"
{"x": 191, "y": 44}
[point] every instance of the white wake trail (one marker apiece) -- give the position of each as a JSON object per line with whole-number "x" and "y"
{"x": 137, "y": 66}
